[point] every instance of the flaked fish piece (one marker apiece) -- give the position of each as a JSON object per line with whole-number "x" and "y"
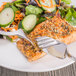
{"x": 31, "y": 52}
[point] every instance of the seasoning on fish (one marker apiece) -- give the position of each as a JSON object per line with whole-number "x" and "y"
{"x": 31, "y": 52}
{"x": 55, "y": 28}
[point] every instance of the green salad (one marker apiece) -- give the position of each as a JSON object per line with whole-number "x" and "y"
{"x": 26, "y": 14}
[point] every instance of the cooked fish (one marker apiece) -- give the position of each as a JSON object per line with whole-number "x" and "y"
{"x": 31, "y": 52}
{"x": 55, "y": 28}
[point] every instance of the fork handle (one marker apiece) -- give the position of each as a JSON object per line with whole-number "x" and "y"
{"x": 7, "y": 33}
{"x": 72, "y": 57}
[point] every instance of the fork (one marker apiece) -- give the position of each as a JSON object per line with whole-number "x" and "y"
{"x": 19, "y": 33}
{"x": 54, "y": 47}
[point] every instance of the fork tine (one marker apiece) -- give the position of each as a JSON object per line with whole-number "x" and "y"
{"x": 45, "y": 45}
{"x": 41, "y": 38}
{"x": 45, "y": 41}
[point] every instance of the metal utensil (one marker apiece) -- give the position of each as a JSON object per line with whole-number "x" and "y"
{"x": 54, "y": 47}
{"x": 19, "y": 33}
{"x": 44, "y": 42}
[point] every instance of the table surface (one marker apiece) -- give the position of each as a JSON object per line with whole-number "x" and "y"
{"x": 67, "y": 71}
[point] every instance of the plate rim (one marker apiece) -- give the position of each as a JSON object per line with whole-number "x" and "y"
{"x": 46, "y": 70}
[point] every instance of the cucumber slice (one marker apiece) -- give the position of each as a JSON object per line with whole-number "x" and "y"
{"x": 29, "y": 23}
{"x": 48, "y": 3}
{"x": 6, "y": 17}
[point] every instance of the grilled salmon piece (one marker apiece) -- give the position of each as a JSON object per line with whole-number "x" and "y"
{"x": 55, "y": 28}
{"x": 31, "y": 52}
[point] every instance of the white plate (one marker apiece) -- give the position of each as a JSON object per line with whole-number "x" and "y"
{"x": 12, "y": 58}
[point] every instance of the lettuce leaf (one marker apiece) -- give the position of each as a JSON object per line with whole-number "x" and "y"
{"x": 14, "y": 8}
{"x": 33, "y": 10}
{"x": 41, "y": 20}
{"x": 72, "y": 22}
{"x": 71, "y": 17}
{"x": 68, "y": 15}
{"x": 73, "y": 12}
{"x": 66, "y": 1}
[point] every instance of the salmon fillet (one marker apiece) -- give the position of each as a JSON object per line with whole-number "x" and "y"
{"x": 55, "y": 28}
{"x": 31, "y": 52}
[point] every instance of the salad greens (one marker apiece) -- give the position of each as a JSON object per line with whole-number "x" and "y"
{"x": 7, "y": 37}
{"x": 14, "y": 8}
{"x": 33, "y": 14}
{"x": 74, "y": 13}
{"x": 66, "y": 1}
{"x": 7, "y": 5}
{"x": 41, "y": 20}
{"x": 69, "y": 14}
{"x": 15, "y": 5}
{"x": 30, "y": 9}
{"x": 65, "y": 11}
